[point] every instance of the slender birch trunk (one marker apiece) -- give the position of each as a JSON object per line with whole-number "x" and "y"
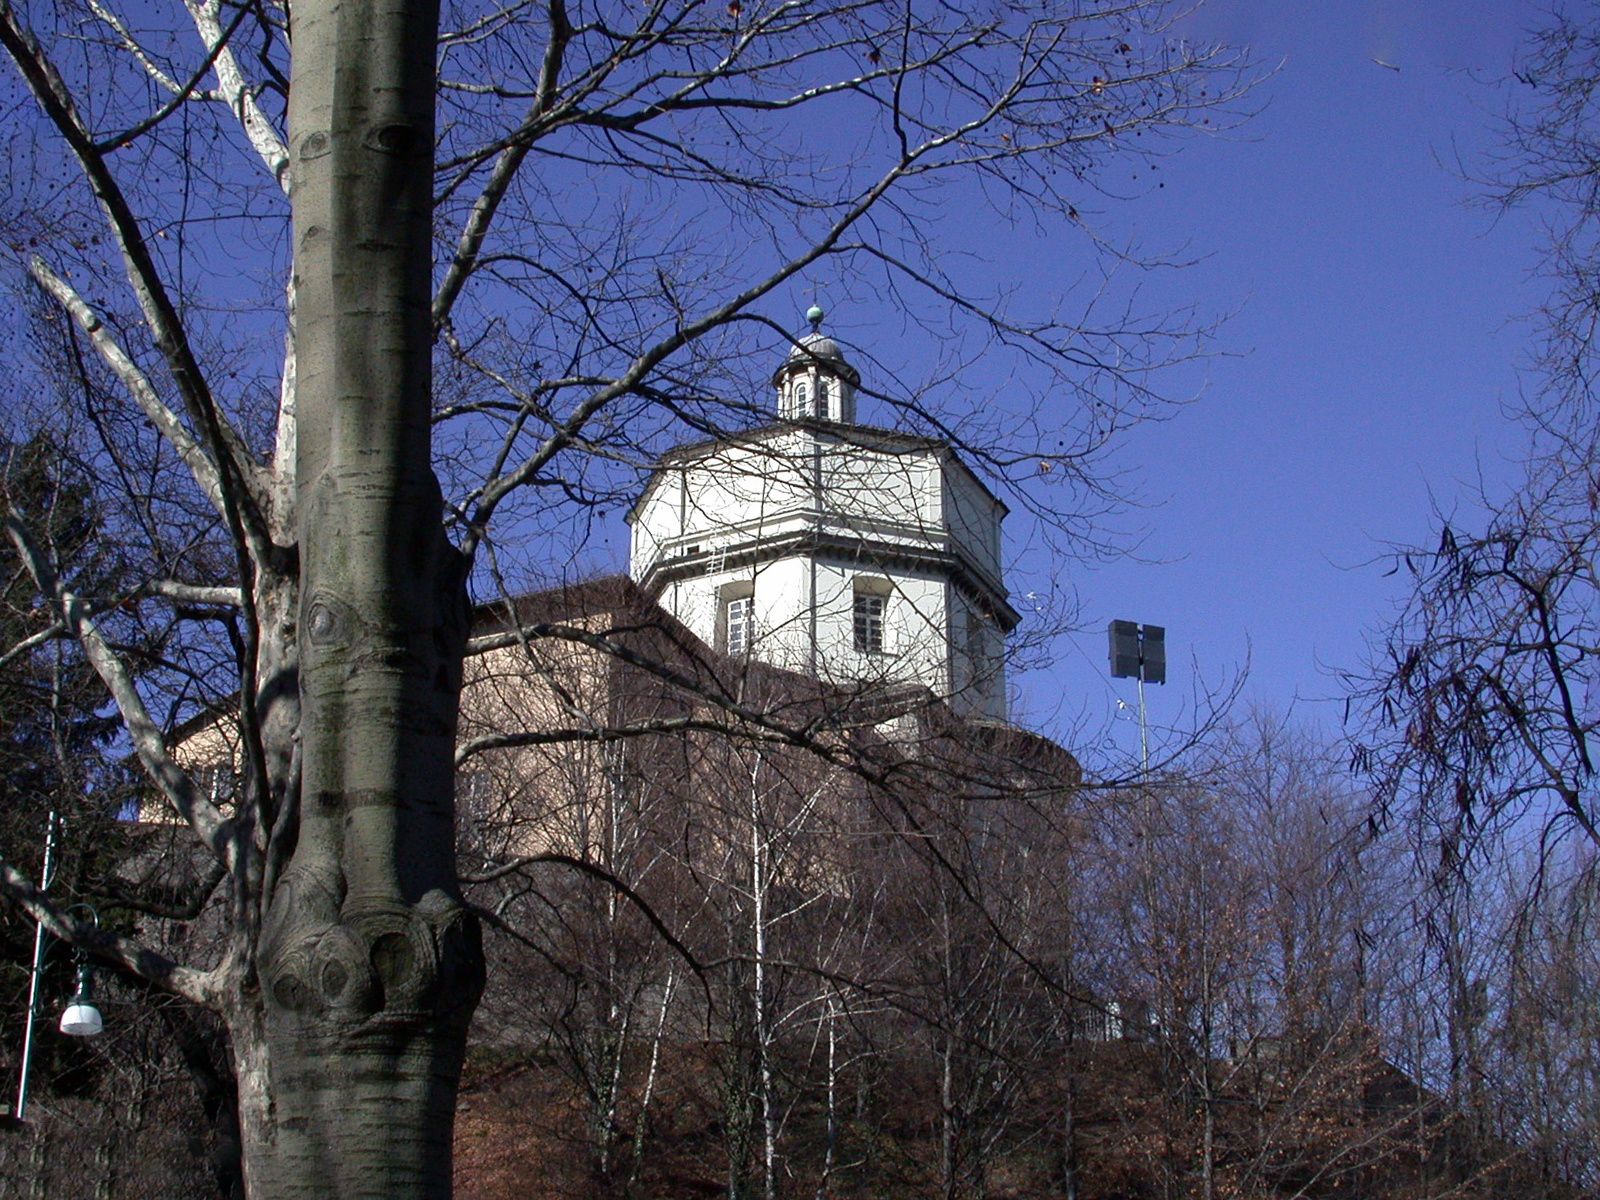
{"x": 641, "y": 1126}
{"x": 758, "y": 891}
{"x": 830, "y": 1145}
{"x": 1069, "y": 1139}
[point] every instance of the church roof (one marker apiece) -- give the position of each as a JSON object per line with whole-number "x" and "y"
{"x": 814, "y": 347}
{"x": 870, "y": 437}
{"x": 817, "y": 345}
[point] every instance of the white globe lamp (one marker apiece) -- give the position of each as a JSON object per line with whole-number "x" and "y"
{"x": 82, "y": 1018}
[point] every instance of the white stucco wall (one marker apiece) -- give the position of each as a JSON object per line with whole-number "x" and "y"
{"x": 973, "y": 517}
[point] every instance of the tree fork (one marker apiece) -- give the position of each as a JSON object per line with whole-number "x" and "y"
{"x": 369, "y": 965}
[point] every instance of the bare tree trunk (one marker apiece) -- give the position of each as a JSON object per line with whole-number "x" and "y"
{"x": 758, "y": 896}
{"x": 613, "y": 1031}
{"x": 1069, "y": 1138}
{"x": 369, "y": 966}
{"x": 830, "y": 1147}
{"x": 954, "y": 1162}
{"x": 218, "y": 1098}
{"x": 641, "y": 1125}
{"x": 1208, "y": 1097}
{"x": 39, "y": 1160}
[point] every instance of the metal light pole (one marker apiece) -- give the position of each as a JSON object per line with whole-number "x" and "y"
{"x": 1144, "y": 734}
{"x": 45, "y": 877}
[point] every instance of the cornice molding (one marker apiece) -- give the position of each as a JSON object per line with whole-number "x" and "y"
{"x": 852, "y": 550}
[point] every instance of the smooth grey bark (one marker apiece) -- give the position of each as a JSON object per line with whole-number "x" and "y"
{"x": 369, "y": 965}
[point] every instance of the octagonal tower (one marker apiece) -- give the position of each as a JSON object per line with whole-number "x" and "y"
{"x": 851, "y": 553}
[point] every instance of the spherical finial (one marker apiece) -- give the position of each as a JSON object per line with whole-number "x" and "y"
{"x": 814, "y": 314}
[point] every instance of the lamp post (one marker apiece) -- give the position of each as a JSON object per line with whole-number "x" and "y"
{"x": 45, "y": 876}
{"x": 81, "y": 1018}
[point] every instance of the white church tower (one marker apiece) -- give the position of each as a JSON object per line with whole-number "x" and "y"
{"x": 850, "y": 553}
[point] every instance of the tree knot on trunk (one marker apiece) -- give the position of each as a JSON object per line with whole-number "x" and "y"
{"x": 389, "y": 962}
{"x": 330, "y": 621}
{"x": 394, "y": 138}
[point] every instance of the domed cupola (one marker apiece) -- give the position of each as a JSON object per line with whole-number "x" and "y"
{"x": 815, "y": 382}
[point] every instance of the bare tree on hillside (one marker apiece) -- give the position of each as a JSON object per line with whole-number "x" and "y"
{"x": 1480, "y": 707}
{"x": 1480, "y": 702}
{"x": 1254, "y": 949}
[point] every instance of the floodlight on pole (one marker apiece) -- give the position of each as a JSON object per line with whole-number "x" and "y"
{"x": 1139, "y": 652}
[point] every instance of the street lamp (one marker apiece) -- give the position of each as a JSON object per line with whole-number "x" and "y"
{"x": 82, "y": 1018}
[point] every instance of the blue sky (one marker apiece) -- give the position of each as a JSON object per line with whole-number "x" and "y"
{"x": 1376, "y": 341}
{"x": 1359, "y": 387}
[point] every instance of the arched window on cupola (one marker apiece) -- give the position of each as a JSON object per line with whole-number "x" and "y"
{"x": 802, "y": 399}
{"x": 824, "y": 400}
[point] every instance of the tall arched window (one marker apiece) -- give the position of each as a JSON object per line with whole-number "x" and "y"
{"x": 738, "y": 624}
{"x": 867, "y": 621}
{"x": 824, "y": 400}
{"x": 802, "y": 399}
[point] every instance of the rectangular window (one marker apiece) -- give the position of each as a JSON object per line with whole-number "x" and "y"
{"x": 869, "y": 623}
{"x": 978, "y": 653}
{"x": 737, "y": 616}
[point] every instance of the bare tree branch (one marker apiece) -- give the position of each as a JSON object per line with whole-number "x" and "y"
{"x": 187, "y": 909}
{"x": 189, "y": 593}
{"x": 598, "y": 872}
{"x": 32, "y": 642}
{"x": 192, "y": 985}
{"x": 185, "y": 93}
{"x": 203, "y": 816}
{"x": 136, "y": 381}
{"x": 132, "y": 46}
{"x": 233, "y": 90}
{"x": 55, "y": 98}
